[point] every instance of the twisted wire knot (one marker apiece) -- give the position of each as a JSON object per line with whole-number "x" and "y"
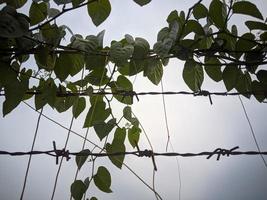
{"x": 222, "y": 152}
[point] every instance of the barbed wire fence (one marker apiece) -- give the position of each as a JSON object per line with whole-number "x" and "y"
{"x": 67, "y": 154}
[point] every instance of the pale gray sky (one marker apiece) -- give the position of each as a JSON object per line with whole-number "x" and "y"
{"x": 194, "y": 125}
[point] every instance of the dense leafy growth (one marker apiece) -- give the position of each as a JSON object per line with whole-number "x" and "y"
{"x": 204, "y": 39}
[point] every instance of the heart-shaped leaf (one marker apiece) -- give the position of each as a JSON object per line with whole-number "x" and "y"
{"x": 102, "y": 129}
{"x": 102, "y": 179}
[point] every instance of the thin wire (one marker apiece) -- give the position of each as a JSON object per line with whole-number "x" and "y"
{"x": 165, "y": 116}
{"x": 61, "y": 160}
{"x": 252, "y": 131}
{"x": 147, "y": 185}
{"x": 179, "y": 173}
{"x": 30, "y": 157}
{"x": 168, "y": 139}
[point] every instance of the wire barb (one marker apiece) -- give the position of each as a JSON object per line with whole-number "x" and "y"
{"x": 61, "y": 153}
{"x": 222, "y": 152}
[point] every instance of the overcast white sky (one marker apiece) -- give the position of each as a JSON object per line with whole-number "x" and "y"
{"x": 194, "y": 126}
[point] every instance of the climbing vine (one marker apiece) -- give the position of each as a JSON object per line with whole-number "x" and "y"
{"x": 202, "y": 38}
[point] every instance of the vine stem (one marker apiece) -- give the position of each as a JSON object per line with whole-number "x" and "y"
{"x": 61, "y": 13}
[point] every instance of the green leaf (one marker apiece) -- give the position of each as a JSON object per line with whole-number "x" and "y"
{"x": 75, "y": 3}
{"x": 154, "y": 70}
{"x": 102, "y": 129}
{"x": 78, "y": 106}
{"x": 114, "y": 148}
{"x": 245, "y": 43}
{"x": 95, "y": 61}
{"x": 48, "y": 91}
{"x": 141, "y": 48}
{"x": 122, "y": 85}
{"x": 194, "y": 26}
{"x": 258, "y": 88}
{"x": 93, "y": 198}
{"x": 142, "y": 2}
{"x": 120, "y": 54}
{"x": 77, "y": 189}
{"x": 174, "y": 28}
{"x": 193, "y": 75}
{"x": 102, "y": 179}
{"x": 262, "y": 76}
{"x": 68, "y": 64}
{"x": 97, "y": 77}
{"x": 127, "y": 113}
{"x": 217, "y": 13}
{"x": 60, "y": 2}
{"x": 81, "y": 158}
{"x": 96, "y": 114}
{"x": 243, "y": 84}
{"x": 119, "y": 135}
{"x": 230, "y": 76}
{"x": 213, "y": 71}
{"x": 162, "y": 48}
{"x": 247, "y": 8}
{"x": 7, "y": 75}
{"x": 133, "y": 135}
{"x": 251, "y": 57}
{"x": 52, "y": 12}
{"x": 129, "y": 39}
{"x": 173, "y": 16}
{"x": 253, "y": 25}
{"x": 70, "y": 100}
{"x": 99, "y": 11}
{"x": 200, "y": 11}
{"x": 90, "y": 44}
{"x": 14, "y": 94}
{"x": 45, "y": 59}
{"x": 12, "y": 24}
{"x": 86, "y": 182}
{"x": 263, "y": 36}
{"x": 163, "y": 33}
{"x": 131, "y": 68}
{"x": 100, "y": 38}
{"x": 52, "y": 34}
{"x": 135, "y": 122}
{"x": 38, "y": 12}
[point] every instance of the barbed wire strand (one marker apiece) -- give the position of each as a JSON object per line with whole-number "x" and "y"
{"x": 219, "y": 152}
{"x": 204, "y": 93}
{"x": 252, "y": 130}
{"x": 30, "y": 157}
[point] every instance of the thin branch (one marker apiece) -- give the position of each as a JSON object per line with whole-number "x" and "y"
{"x": 59, "y": 14}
